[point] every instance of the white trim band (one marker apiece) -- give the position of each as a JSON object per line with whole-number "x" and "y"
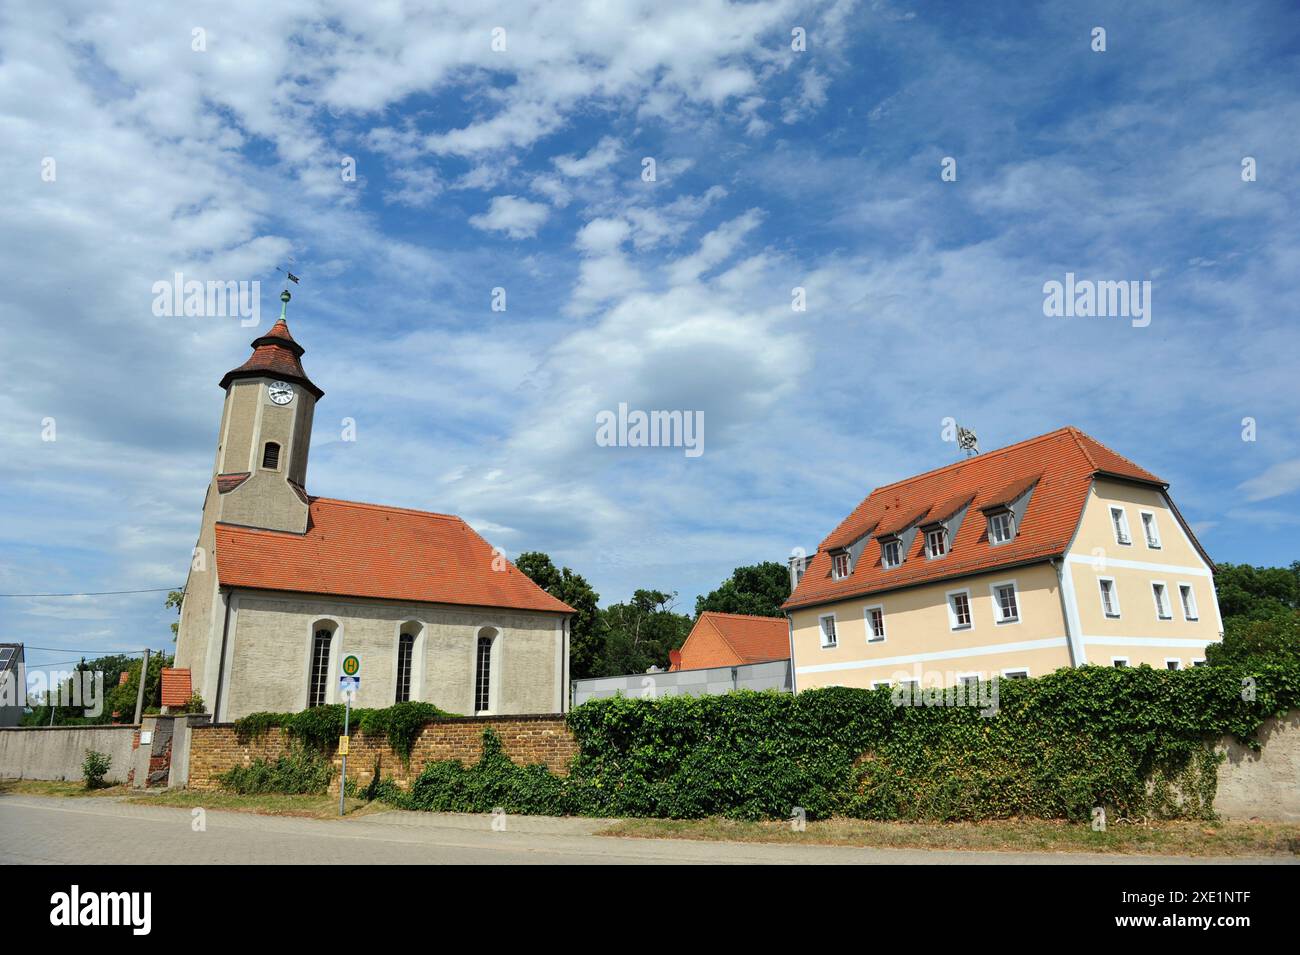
{"x": 1101, "y": 563}
{"x": 988, "y": 650}
{"x": 1147, "y": 642}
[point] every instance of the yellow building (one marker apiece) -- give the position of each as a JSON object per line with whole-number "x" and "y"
{"x": 1049, "y": 553}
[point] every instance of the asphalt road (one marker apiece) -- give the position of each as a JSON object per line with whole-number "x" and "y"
{"x": 35, "y": 830}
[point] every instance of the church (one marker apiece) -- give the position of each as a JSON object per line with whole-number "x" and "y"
{"x": 285, "y": 585}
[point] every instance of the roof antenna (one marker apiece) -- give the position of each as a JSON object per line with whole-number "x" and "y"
{"x": 967, "y": 441}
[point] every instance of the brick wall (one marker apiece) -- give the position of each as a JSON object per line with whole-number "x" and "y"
{"x": 525, "y": 739}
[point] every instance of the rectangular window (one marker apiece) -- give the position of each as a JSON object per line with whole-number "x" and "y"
{"x": 1119, "y": 662}
{"x": 1150, "y": 531}
{"x": 936, "y": 542}
{"x": 1173, "y": 663}
{"x": 1119, "y": 520}
{"x": 959, "y": 610}
{"x": 1109, "y": 598}
{"x": 891, "y": 552}
{"x": 877, "y": 684}
{"x": 841, "y": 565}
{"x": 1018, "y": 674}
{"x": 1199, "y": 663}
{"x": 1161, "y": 596}
{"x": 875, "y": 624}
{"x": 1004, "y": 603}
{"x": 828, "y": 630}
{"x": 1002, "y": 527}
{"x": 1189, "y": 601}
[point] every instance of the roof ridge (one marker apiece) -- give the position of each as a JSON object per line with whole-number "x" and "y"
{"x": 979, "y": 457}
{"x": 721, "y": 636}
{"x": 751, "y": 616}
{"x": 1077, "y": 434}
{"x": 390, "y": 507}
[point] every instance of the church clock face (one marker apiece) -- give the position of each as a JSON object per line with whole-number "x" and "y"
{"x": 280, "y": 392}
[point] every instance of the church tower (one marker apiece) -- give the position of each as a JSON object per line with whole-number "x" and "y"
{"x": 258, "y": 480}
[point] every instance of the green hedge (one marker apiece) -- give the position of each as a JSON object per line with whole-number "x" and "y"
{"x": 1137, "y": 740}
{"x": 320, "y": 726}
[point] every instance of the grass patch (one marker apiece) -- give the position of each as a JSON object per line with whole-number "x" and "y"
{"x": 1157, "y": 838}
{"x": 58, "y": 787}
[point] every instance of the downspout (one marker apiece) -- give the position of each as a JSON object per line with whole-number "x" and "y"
{"x": 221, "y": 663}
{"x": 1059, "y": 567}
{"x": 566, "y": 689}
{"x": 789, "y": 626}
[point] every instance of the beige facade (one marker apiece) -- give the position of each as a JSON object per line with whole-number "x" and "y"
{"x": 1060, "y": 619}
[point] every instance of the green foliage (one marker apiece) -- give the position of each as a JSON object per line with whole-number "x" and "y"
{"x": 586, "y": 630}
{"x": 320, "y": 726}
{"x": 95, "y": 767}
{"x": 1136, "y": 740}
{"x": 1257, "y": 593}
{"x": 301, "y": 770}
{"x": 759, "y": 589}
{"x": 194, "y": 704}
{"x": 1253, "y": 642}
{"x": 640, "y": 633}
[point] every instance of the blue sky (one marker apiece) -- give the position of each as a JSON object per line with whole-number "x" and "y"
{"x": 522, "y": 169}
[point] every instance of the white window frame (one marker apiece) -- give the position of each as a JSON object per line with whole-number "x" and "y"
{"x": 953, "y": 625}
{"x": 835, "y": 633}
{"x": 1198, "y": 661}
{"x": 877, "y": 684}
{"x": 884, "y": 551}
{"x": 1010, "y": 517}
{"x": 1121, "y": 527}
{"x": 1150, "y": 531}
{"x": 1114, "y": 597}
{"x": 962, "y": 678}
{"x": 943, "y": 536}
{"x": 1191, "y": 593}
{"x": 1016, "y": 673}
{"x": 1178, "y": 661}
{"x": 1155, "y": 599}
{"x": 835, "y": 564}
{"x": 871, "y": 631}
{"x": 1117, "y": 661}
{"x": 997, "y": 604}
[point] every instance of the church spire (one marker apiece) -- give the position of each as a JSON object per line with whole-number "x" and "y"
{"x": 275, "y": 355}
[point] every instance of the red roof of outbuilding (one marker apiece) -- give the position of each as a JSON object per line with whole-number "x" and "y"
{"x": 390, "y": 553}
{"x": 751, "y": 639}
{"x": 1059, "y": 467}
{"x": 176, "y": 689}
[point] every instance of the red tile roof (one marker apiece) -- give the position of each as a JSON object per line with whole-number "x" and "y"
{"x": 1058, "y": 466}
{"x": 390, "y": 553}
{"x": 176, "y": 689}
{"x": 730, "y": 639}
{"x": 274, "y": 354}
{"x": 231, "y": 480}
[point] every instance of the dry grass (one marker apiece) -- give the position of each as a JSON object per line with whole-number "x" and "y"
{"x": 267, "y": 804}
{"x": 1023, "y": 835}
{"x": 53, "y": 787}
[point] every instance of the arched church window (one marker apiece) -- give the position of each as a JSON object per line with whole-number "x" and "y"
{"x": 483, "y": 672}
{"x": 320, "y": 667}
{"x": 271, "y": 456}
{"x": 405, "y": 650}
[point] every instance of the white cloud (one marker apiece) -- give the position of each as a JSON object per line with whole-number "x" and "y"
{"x": 518, "y": 218}
{"x": 1279, "y": 479}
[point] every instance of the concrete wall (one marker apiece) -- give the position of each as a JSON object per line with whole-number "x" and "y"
{"x": 57, "y": 752}
{"x": 774, "y": 675}
{"x": 1264, "y": 784}
{"x": 527, "y": 740}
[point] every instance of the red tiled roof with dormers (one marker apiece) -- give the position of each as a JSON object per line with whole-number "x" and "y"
{"x": 275, "y": 355}
{"x": 1059, "y": 467}
{"x": 388, "y": 553}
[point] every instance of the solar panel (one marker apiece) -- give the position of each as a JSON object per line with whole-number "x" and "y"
{"x": 5, "y": 654}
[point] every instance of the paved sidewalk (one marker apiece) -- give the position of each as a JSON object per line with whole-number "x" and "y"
{"x": 38, "y": 829}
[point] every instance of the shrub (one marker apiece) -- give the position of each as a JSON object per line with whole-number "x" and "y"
{"x": 95, "y": 767}
{"x": 300, "y": 771}
{"x": 320, "y": 726}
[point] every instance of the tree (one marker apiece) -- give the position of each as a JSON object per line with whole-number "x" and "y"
{"x": 1257, "y": 592}
{"x": 640, "y": 633}
{"x": 1247, "y": 641}
{"x": 174, "y": 599}
{"x": 758, "y": 589}
{"x": 586, "y": 634}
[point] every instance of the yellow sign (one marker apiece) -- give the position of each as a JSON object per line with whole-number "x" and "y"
{"x": 351, "y": 665}
{"x": 343, "y": 745}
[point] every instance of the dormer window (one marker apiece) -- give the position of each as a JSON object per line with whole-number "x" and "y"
{"x": 1002, "y": 527}
{"x": 936, "y": 542}
{"x": 840, "y": 564}
{"x": 891, "y": 552}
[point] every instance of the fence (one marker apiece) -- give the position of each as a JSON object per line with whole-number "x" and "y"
{"x": 773, "y": 675}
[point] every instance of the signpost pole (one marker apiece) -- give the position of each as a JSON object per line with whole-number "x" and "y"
{"x": 343, "y": 780}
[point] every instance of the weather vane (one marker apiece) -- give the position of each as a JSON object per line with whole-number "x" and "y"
{"x": 285, "y": 296}
{"x": 967, "y": 441}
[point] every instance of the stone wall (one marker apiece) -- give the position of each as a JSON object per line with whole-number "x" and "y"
{"x": 525, "y": 739}
{"x": 1263, "y": 784}
{"x": 57, "y": 752}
